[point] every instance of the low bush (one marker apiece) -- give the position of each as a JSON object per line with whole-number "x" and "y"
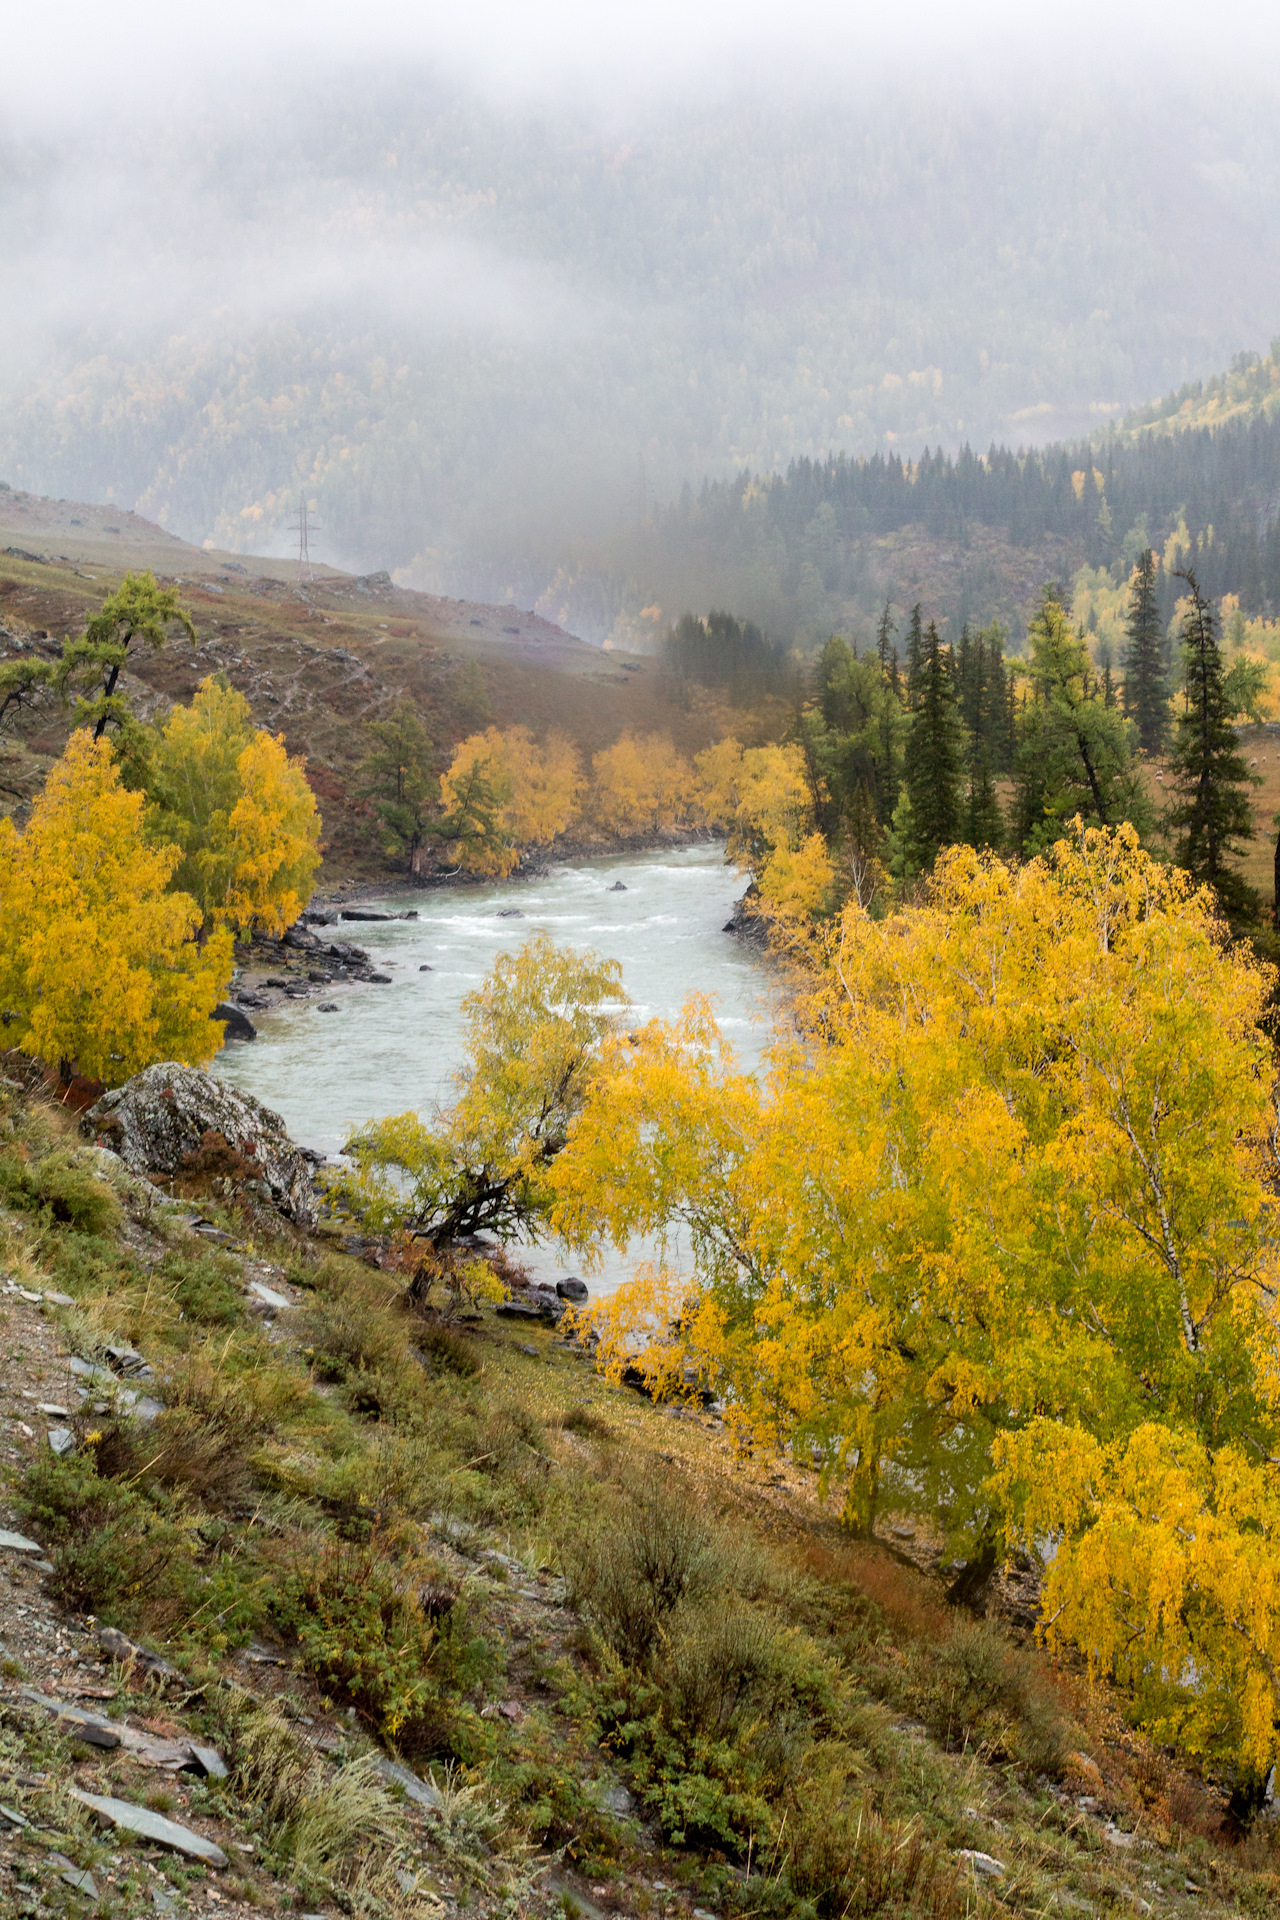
{"x": 368, "y": 1621}
{"x": 54, "y": 1187}
{"x": 204, "y": 1288}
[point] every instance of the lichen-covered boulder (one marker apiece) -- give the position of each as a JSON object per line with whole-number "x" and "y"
{"x": 161, "y": 1116}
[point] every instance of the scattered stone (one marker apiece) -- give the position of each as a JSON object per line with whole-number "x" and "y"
{"x": 616, "y": 1800}
{"x": 61, "y": 1440}
{"x": 88, "y": 1370}
{"x": 329, "y": 1006}
{"x": 90, "y": 1727}
{"x": 151, "y": 1826}
{"x": 981, "y": 1862}
{"x": 1115, "y": 1837}
{"x": 127, "y": 1360}
{"x": 509, "y": 913}
{"x": 14, "y": 1819}
{"x": 209, "y": 1761}
{"x": 268, "y": 1297}
{"x": 73, "y": 1875}
{"x": 129, "y": 1654}
{"x": 617, "y": 887}
{"x": 426, "y": 967}
{"x": 379, "y": 979}
{"x": 154, "y": 1120}
{"x": 58, "y": 1300}
{"x": 54, "y": 1411}
{"x": 531, "y": 1351}
{"x": 518, "y": 1310}
{"x": 364, "y": 913}
{"x": 18, "y": 1543}
{"x": 238, "y": 1025}
{"x": 421, "y": 1792}
{"x": 572, "y": 1289}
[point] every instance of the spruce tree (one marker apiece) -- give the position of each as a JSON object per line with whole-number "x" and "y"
{"x": 933, "y": 763}
{"x": 1211, "y": 815}
{"x": 1146, "y": 699}
{"x": 915, "y": 658}
{"x": 885, "y": 649}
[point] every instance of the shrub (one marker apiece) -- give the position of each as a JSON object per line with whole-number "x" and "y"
{"x": 630, "y": 1576}
{"x": 115, "y": 1552}
{"x": 377, "y": 1636}
{"x": 204, "y": 1289}
{"x": 55, "y": 1187}
{"x": 448, "y": 1349}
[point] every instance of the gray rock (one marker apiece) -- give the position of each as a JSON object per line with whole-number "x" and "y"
{"x": 238, "y": 1025}
{"x": 129, "y": 1654}
{"x": 509, "y": 913}
{"x": 615, "y": 1799}
{"x": 150, "y": 1826}
{"x": 328, "y": 1006}
{"x": 379, "y": 979}
{"x": 365, "y": 913}
{"x": 18, "y": 1543}
{"x": 73, "y": 1875}
{"x": 421, "y": 1792}
{"x": 14, "y": 1819}
{"x": 268, "y": 1297}
{"x": 617, "y": 887}
{"x": 980, "y": 1862}
{"x": 572, "y": 1289}
{"x": 426, "y": 967}
{"x": 61, "y": 1440}
{"x": 209, "y": 1761}
{"x": 59, "y": 1300}
{"x": 154, "y": 1120}
{"x": 91, "y": 1727}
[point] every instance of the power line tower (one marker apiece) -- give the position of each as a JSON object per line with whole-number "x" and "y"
{"x": 304, "y": 528}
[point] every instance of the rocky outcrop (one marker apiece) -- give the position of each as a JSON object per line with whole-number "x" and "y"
{"x": 159, "y": 1120}
{"x": 238, "y": 1024}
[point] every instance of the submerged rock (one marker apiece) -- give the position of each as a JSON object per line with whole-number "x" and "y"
{"x": 158, "y": 1118}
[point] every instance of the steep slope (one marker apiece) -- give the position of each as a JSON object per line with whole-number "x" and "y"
{"x": 315, "y": 659}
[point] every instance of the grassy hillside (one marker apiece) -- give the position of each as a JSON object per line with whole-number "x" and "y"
{"x": 633, "y": 1668}
{"x": 316, "y": 661}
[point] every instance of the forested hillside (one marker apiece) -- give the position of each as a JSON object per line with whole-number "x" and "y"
{"x": 489, "y": 341}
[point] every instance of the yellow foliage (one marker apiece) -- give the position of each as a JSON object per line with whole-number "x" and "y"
{"x": 640, "y": 785}
{"x": 532, "y": 793}
{"x": 239, "y": 809}
{"x": 1012, "y": 1189}
{"x": 97, "y": 965}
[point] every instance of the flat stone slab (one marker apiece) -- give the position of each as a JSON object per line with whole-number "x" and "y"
{"x": 268, "y": 1296}
{"x": 151, "y": 1826}
{"x": 18, "y": 1543}
{"x": 93, "y": 1727}
{"x": 421, "y": 1792}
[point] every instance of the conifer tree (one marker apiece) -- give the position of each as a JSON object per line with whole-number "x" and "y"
{"x": 933, "y": 763}
{"x": 139, "y": 609}
{"x": 1145, "y": 690}
{"x": 886, "y": 649}
{"x": 1074, "y": 754}
{"x": 915, "y": 658}
{"x": 1211, "y": 815}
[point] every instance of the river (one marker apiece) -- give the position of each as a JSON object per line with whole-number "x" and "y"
{"x": 393, "y": 1048}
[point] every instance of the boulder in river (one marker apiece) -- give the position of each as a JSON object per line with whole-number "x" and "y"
{"x": 571, "y": 1288}
{"x": 158, "y": 1118}
{"x": 238, "y": 1025}
{"x": 365, "y": 913}
{"x": 617, "y": 887}
{"x": 509, "y": 913}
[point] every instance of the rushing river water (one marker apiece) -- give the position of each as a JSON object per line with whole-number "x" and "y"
{"x": 393, "y": 1048}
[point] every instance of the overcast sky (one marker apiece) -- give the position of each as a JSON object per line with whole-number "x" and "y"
{"x": 78, "y": 55}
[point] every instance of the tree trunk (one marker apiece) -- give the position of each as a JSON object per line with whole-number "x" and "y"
{"x": 969, "y": 1587}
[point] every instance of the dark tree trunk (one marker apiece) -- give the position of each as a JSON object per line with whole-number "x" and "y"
{"x": 969, "y": 1587}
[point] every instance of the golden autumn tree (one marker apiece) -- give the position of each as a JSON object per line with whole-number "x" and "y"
{"x": 99, "y": 972}
{"x": 761, "y": 799}
{"x": 640, "y": 785}
{"x": 238, "y": 808}
{"x": 504, "y": 793}
{"x": 533, "y": 1036}
{"x": 997, "y": 1245}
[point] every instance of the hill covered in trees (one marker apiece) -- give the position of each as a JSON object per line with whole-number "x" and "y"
{"x": 487, "y": 340}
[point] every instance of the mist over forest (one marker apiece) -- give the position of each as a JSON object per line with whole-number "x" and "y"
{"x": 491, "y": 338}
